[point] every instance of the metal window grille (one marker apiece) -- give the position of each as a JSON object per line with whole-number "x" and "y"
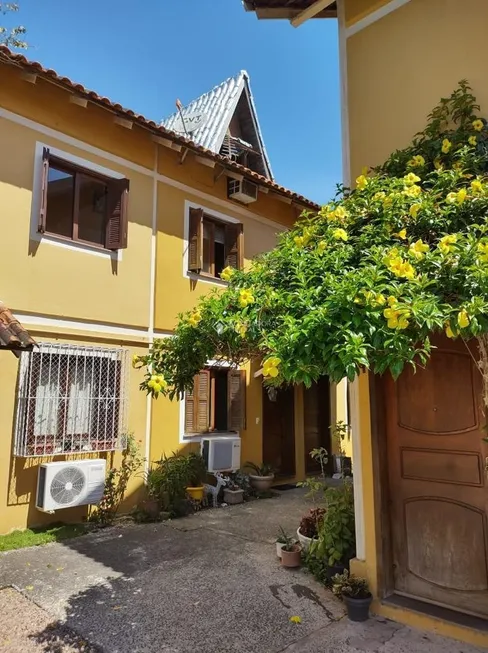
{"x": 71, "y": 399}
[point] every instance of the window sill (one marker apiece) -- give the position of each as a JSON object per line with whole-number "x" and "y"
{"x": 197, "y": 437}
{"x": 206, "y": 278}
{"x": 76, "y": 245}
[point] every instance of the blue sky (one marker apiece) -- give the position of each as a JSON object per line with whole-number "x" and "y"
{"x": 145, "y": 54}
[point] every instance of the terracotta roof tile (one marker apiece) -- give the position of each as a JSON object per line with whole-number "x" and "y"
{"x": 12, "y": 333}
{"x": 7, "y": 56}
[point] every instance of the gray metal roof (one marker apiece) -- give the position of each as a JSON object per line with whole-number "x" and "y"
{"x": 218, "y": 106}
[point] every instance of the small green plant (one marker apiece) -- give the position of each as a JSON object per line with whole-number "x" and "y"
{"x": 340, "y": 431}
{"x": 316, "y": 486}
{"x": 336, "y": 540}
{"x": 197, "y": 472}
{"x": 346, "y": 584}
{"x": 289, "y": 543}
{"x": 260, "y": 470}
{"x": 173, "y": 474}
{"x": 116, "y": 483}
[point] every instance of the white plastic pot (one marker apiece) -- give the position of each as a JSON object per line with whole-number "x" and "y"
{"x": 304, "y": 540}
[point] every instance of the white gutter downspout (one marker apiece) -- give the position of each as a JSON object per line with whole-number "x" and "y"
{"x": 310, "y": 12}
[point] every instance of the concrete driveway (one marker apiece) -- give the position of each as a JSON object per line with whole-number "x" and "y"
{"x": 209, "y": 583}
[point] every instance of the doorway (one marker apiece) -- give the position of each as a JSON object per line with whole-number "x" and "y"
{"x": 437, "y": 491}
{"x": 279, "y": 430}
{"x": 316, "y": 416}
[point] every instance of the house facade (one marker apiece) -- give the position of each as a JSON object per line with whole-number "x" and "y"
{"x": 111, "y": 226}
{"x": 421, "y": 492}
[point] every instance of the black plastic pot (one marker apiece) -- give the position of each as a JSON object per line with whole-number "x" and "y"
{"x": 357, "y": 609}
{"x": 335, "y": 569}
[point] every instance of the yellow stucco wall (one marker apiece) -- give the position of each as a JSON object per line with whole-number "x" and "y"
{"x": 355, "y": 10}
{"x": 89, "y": 299}
{"x": 400, "y": 66}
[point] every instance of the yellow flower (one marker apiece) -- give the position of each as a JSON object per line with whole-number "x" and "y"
{"x": 299, "y": 241}
{"x": 463, "y": 318}
{"x": 403, "y": 322}
{"x": 341, "y": 213}
{"x": 296, "y": 619}
{"x": 322, "y": 246}
{"x": 449, "y": 332}
{"x": 483, "y": 252}
{"x": 414, "y": 209}
{"x": 412, "y": 191}
{"x": 461, "y": 195}
{"x": 400, "y": 268}
{"x": 418, "y": 249}
{"x": 361, "y": 182}
{"x": 446, "y": 243}
{"x": 194, "y": 318}
{"x": 241, "y": 329}
{"x": 391, "y": 301}
{"x": 416, "y": 161}
{"x": 411, "y": 179}
{"x": 270, "y": 367}
{"x": 340, "y": 234}
{"x": 245, "y": 298}
{"x": 157, "y": 382}
{"x": 227, "y": 273}
{"x": 380, "y": 195}
{"x": 446, "y": 145}
{"x": 477, "y": 125}
{"x": 388, "y": 201}
{"x": 476, "y": 186}
{"x": 472, "y": 140}
{"x": 451, "y": 198}
{"x": 135, "y": 360}
{"x": 380, "y": 299}
{"x": 438, "y": 164}
{"x": 401, "y": 234}
{"x": 325, "y": 211}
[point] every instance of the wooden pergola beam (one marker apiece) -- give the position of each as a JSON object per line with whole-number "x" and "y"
{"x": 310, "y": 12}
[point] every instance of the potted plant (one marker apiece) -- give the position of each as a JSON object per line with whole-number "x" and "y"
{"x": 151, "y": 505}
{"x": 340, "y": 431}
{"x": 233, "y": 494}
{"x": 262, "y": 476}
{"x": 309, "y": 527}
{"x": 281, "y": 540}
{"x": 290, "y": 551}
{"x": 336, "y": 538}
{"x": 355, "y": 593}
{"x": 196, "y": 476}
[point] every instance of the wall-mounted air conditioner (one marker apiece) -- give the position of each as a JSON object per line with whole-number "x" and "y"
{"x": 70, "y": 483}
{"x": 222, "y": 453}
{"x": 242, "y": 190}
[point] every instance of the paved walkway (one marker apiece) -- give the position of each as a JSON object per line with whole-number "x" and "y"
{"x": 208, "y": 583}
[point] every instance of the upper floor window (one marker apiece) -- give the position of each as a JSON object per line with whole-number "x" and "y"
{"x": 213, "y": 244}
{"x": 82, "y": 205}
{"x": 217, "y": 401}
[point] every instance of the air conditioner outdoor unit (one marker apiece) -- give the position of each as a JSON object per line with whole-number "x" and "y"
{"x": 242, "y": 190}
{"x": 70, "y": 483}
{"x": 222, "y": 453}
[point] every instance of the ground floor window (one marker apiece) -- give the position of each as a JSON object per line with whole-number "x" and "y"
{"x": 71, "y": 399}
{"x": 216, "y": 402}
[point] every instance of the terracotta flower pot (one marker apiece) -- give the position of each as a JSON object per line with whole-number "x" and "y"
{"x": 291, "y": 558}
{"x": 261, "y": 483}
{"x": 196, "y": 493}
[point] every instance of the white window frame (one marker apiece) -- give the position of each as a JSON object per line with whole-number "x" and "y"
{"x": 56, "y": 403}
{"x": 211, "y": 213}
{"x": 52, "y": 239}
{"x": 185, "y": 438}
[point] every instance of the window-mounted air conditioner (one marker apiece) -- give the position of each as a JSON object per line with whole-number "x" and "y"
{"x": 222, "y": 453}
{"x": 242, "y": 190}
{"x": 70, "y": 483}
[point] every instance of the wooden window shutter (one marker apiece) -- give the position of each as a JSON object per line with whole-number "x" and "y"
{"x": 195, "y": 240}
{"x": 203, "y": 402}
{"x": 117, "y": 221}
{"x": 197, "y": 404}
{"x": 234, "y": 246}
{"x": 236, "y": 400}
{"x": 41, "y": 223}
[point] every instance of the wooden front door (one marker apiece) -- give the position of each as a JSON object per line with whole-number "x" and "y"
{"x": 279, "y": 431}
{"x": 437, "y": 480}
{"x": 316, "y": 416}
